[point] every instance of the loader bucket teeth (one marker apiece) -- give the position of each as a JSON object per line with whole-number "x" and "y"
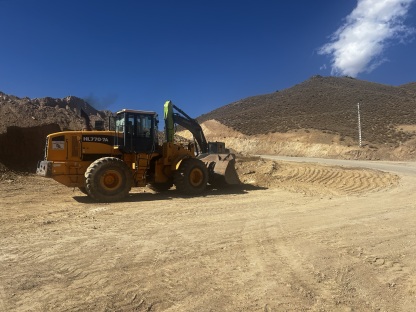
{"x": 221, "y": 169}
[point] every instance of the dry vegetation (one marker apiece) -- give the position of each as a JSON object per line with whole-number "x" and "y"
{"x": 328, "y": 104}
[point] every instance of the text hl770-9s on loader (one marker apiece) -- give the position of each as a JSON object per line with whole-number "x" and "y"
{"x": 106, "y": 164}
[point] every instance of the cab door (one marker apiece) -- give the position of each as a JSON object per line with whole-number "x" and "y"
{"x": 139, "y": 133}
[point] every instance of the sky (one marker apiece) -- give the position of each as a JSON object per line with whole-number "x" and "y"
{"x": 200, "y": 54}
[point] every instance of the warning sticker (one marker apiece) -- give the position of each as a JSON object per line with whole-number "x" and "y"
{"x": 58, "y": 145}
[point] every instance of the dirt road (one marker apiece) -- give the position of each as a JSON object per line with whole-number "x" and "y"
{"x": 299, "y": 237}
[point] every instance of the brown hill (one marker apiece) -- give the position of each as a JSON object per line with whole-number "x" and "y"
{"x": 411, "y": 86}
{"x": 327, "y": 104}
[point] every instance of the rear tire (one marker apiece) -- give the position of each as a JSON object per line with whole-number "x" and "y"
{"x": 191, "y": 177}
{"x": 108, "y": 179}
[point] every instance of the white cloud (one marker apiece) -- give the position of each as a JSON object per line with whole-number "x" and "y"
{"x": 358, "y": 45}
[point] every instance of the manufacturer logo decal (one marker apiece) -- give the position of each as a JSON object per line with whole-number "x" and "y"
{"x": 104, "y": 139}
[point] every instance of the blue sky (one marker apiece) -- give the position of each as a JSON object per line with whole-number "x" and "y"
{"x": 200, "y": 54}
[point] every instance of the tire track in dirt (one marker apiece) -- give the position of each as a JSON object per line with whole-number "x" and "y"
{"x": 2, "y": 299}
{"x": 309, "y": 275}
{"x": 274, "y": 260}
{"x": 314, "y": 179}
{"x": 261, "y": 250}
{"x": 387, "y": 273}
{"x": 59, "y": 255}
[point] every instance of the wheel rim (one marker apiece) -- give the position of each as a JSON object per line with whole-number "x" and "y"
{"x": 111, "y": 180}
{"x": 196, "y": 177}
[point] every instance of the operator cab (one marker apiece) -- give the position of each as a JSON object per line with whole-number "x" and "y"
{"x": 136, "y": 131}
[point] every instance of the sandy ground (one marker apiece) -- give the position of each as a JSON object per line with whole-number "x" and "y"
{"x": 294, "y": 237}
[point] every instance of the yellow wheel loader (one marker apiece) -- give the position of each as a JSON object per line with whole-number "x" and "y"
{"x": 106, "y": 164}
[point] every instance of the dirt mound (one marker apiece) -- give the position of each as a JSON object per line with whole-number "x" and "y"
{"x": 65, "y": 112}
{"x": 313, "y": 179}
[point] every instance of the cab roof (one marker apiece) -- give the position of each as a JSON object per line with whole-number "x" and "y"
{"x": 136, "y": 111}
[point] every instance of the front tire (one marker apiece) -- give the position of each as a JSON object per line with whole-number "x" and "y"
{"x": 191, "y": 177}
{"x": 108, "y": 179}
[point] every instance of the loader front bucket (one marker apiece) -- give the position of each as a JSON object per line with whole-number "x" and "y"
{"x": 221, "y": 169}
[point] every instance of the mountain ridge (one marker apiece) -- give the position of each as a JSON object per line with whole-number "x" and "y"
{"x": 317, "y": 117}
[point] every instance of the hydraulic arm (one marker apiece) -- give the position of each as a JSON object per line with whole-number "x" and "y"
{"x": 184, "y": 120}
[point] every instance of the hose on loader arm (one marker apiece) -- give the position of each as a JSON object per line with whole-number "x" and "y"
{"x": 182, "y": 119}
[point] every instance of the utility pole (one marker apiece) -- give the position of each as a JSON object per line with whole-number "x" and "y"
{"x": 359, "y": 125}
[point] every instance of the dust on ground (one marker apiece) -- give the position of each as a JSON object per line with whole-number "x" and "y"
{"x": 277, "y": 243}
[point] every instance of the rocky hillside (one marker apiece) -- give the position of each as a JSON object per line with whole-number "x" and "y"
{"x": 25, "y": 122}
{"x": 26, "y": 112}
